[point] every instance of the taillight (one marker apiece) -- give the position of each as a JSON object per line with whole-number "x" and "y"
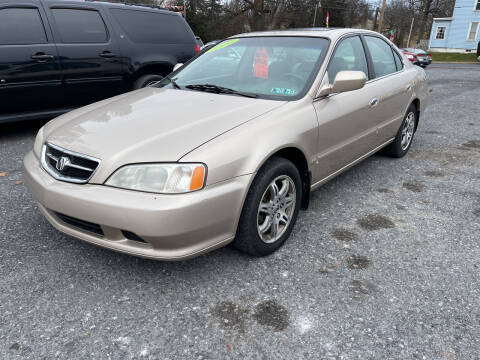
{"x": 429, "y": 55}
{"x": 197, "y": 49}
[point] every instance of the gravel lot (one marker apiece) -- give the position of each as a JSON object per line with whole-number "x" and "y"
{"x": 384, "y": 264}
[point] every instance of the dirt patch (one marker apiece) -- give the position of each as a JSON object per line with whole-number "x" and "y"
{"x": 357, "y": 262}
{"x": 446, "y": 157}
{"x": 385, "y": 191}
{"x": 415, "y": 186}
{"x": 373, "y": 222}
{"x": 343, "y": 234}
{"x": 272, "y": 315}
{"x": 472, "y": 144}
{"x": 230, "y": 315}
{"x": 360, "y": 288}
{"x": 434, "y": 173}
{"x": 15, "y": 346}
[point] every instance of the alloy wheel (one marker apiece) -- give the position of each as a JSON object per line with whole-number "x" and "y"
{"x": 408, "y": 130}
{"x": 276, "y": 209}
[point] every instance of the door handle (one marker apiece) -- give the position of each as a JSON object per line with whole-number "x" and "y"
{"x": 107, "y": 54}
{"x": 373, "y": 102}
{"x": 41, "y": 57}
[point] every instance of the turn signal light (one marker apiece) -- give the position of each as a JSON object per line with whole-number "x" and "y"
{"x": 197, "y": 178}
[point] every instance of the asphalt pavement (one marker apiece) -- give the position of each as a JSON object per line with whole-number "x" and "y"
{"x": 384, "y": 265}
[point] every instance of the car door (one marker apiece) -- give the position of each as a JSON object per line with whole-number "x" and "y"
{"x": 90, "y": 59}
{"x": 347, "y": 129}
{"x": 30, "y": 76}
{"x": 392, "y": 85}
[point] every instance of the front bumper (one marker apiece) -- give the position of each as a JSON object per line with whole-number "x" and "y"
{"x": 173, "y": 227}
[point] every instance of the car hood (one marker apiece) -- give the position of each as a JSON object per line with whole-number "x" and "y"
{"x": 151, "y": 125}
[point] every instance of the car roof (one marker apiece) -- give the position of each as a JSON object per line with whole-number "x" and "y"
{"x": 308, "y": 32}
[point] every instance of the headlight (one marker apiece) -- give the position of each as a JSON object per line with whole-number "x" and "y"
{"x": 37, "y": 146}
{"x": 172, "y": 178}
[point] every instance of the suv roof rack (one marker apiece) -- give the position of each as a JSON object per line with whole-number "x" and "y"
{"x": 124, "y": 2}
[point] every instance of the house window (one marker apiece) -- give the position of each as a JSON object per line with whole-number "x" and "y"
{"x": 440, "y": 33}
{"x": 477, "y": 5}
{"x": 472, "y": 34}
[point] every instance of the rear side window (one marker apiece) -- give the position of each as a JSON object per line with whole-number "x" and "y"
{"x": 80, "y": 26}
{"x": 349, "y": 55}
{"x": 152, "y": 28}
{"x": 382, "y": 56}
{"x": 398, "y": 61}
{"x": 21, "y": 26}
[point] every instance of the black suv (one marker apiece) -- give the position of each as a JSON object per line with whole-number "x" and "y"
{"x": 56, "y": 55}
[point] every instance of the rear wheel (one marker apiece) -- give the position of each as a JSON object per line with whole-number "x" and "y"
{"x": 271, "y": 208}
{"x": 400, "y": 146}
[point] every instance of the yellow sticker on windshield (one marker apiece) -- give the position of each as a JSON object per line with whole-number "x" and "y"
{"x": 222, "y": 45}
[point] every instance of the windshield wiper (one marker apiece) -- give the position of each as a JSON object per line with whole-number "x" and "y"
{"x": 174, "y": 83}
{"x": 219, "y": 90}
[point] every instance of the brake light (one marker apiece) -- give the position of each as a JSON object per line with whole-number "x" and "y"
{"x": 197, "y": 49}
{"x": 429, "y": 55}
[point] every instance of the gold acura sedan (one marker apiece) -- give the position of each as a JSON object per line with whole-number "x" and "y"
{"x": 229, "y": 146}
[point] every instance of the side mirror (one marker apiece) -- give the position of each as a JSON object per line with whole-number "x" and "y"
{"x": 345, "y": 81}
{"x": 178, "y": 66}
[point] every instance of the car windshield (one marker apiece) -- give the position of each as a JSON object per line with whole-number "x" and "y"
{"x": 265, "y": 67}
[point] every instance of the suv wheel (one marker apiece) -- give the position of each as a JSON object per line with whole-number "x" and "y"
{"x": 271, "y": 208}
{"x": 146, "y": 80}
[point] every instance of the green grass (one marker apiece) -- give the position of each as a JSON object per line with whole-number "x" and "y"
{"x": 454, "y": 57}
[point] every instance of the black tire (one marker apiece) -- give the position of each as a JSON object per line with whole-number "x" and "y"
{"x": 248, "y": 239}
{"x": 145, "y": 80}
{"x": 395, "y": 149}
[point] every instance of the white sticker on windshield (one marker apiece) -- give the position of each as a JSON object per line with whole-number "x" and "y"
{"x": 283, "y": 91}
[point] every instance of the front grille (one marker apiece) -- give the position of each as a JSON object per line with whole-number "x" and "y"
{"x": 67, "y": 165}
{"x": 80, "y": 224}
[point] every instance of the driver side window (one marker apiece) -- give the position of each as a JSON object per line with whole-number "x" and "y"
{"x": 349, "y": 55}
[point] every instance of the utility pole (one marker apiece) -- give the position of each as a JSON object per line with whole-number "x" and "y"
{"x": 375, "y": 20}
{"x": 410, "y": 33}
{"x": 315, "y": 16}
{"x": 381, "y": 16}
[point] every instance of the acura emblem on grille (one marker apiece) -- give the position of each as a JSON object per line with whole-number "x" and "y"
{"x": 56, "y": 160}
{"x": 62, "y": 162}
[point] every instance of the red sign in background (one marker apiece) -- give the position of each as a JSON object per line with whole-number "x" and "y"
{"x": 260, "y": 64}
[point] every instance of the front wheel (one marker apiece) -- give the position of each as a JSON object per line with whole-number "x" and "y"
{"x": 271, "y": 208}
{"x": 146, "y": 80}
{"x": 400, "y": 146}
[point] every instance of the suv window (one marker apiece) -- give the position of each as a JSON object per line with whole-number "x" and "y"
{"x": 21, "y": 26}
{"x": 349, "y": 55}
{"x": 152, "y": 27}
{"x": 80, "y": 26}
{"x": 382, "y": 56}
